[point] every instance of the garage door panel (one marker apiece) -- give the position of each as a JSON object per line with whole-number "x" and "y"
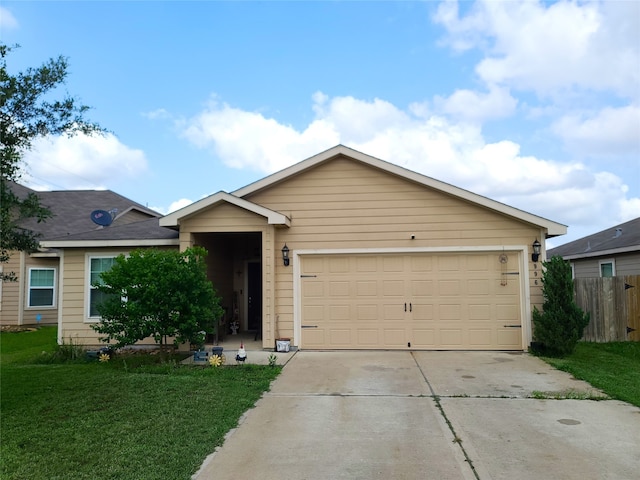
{"x": 313, "y": 313}
{"x": 422, "y": 312}
{"x": 423, "y": 338}
{"x": 421, "y": 288}
{"x": 480, "y": 337}
{"x": 508, "y": 337}
{"x": 432, "y": 301}
{"x": 394, "y": 337}
{"x": 315, "y": 338}
{"x": 340, "y": 337}
{"x": 449, "y": 287}
{"x": 480, "y": 312}
{"x": 314, "y": 289}
{"x": 449, "y": 312}
{"x": 394, "y": 288}
{"x": 367, "y": 288}
{"x": 340, "y": 313}
{"x": 368, "y": 338}
{"x": 367, "y": 312}
{"x": 451, "y": 338}
{"x": 366, "y": 264}
{"x": 339, "y": 289}
{"x": 392, "y": 263}
{"x": 478, "y": 287}
{"x": 507, "y": 312}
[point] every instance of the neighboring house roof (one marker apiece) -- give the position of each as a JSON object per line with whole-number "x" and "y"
{"x": 144, "y": 233}
{"x": 622, "y": 238}
{"x": 553, "y": 229}
{"x": 71, "y": 223}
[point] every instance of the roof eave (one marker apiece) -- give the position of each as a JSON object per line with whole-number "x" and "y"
{"x": 110, "y": 243}
{"x": 602, "y": 253}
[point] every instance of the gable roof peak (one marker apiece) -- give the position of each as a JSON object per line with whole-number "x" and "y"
{"x": 552, "y": 228}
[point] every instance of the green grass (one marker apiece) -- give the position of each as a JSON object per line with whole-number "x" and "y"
{"x": 131, "y": 418}
{"x": 613, "y": 368}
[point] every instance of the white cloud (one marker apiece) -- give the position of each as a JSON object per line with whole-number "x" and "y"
{"x": 7, "y": 20}
{"x": 608, "y": 131}
{"x": 468, "y": 105}
{"x": 177, "y": 205}
{"x": 548, "y": 48}
{"x": 249, "y": 140}
{"x": 158, "y": 114}
{"x": 81, "y": 161}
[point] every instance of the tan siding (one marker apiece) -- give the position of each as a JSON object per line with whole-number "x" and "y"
{"x": 345, "y": 204}
{"x": 626, "y": 264}
{"x": 15, "y": 292}
{"x": 223, "y": 218}
{"x": 9, "y": 306}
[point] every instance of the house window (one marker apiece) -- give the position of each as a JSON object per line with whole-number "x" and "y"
{"x": 42, "y": 283}
{"x": 97, "y": 265}
{"x": 607, "y": 268}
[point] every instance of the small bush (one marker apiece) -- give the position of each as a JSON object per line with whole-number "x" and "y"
{"x": 560, "y": 324}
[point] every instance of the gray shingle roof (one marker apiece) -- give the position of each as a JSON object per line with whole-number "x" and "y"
{"x": 143, "y": 230}
{"x": 623, "y": 237}
{"x": 72, "y": 216}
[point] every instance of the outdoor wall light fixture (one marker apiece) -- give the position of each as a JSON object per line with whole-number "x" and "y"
{"x": 536, "y": 251}
{"x": 285, "y": 255}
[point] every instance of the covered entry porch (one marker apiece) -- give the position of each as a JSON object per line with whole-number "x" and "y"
{"x": 240, "y": 238}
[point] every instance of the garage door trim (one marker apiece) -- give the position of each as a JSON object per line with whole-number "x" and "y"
{"x": 525, "y": 307}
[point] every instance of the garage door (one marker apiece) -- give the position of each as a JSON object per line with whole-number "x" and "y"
{"x": 467, "y": 301}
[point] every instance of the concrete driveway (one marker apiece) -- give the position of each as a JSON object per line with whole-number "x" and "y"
{"x": 429, "y": 415}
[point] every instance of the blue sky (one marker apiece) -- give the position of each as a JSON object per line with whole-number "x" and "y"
{"x": 535, "y": 104}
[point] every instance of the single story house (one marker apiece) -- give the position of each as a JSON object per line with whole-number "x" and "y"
{"x": 342, "y": 251}
{"x": 609, "y": 253}
{"x": 35, "y": 297}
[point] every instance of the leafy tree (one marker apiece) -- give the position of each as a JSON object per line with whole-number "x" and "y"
{"x": 26, "y": 113}
{"x": 157, "y": 293}
{"x": 561, "y": 323}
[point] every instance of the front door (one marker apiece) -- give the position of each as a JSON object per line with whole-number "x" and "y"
{"x": 254, "y": 299}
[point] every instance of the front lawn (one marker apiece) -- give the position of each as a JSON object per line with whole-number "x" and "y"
{"x": 116, "y": 420}
{"x": 614, "y": 368}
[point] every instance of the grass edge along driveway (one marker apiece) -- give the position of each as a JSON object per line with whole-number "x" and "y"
{"x": 125, "y": 419}
{"x": 612, "y": 367}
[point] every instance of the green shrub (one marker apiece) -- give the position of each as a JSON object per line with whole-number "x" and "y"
{"x": 560, "y": 324}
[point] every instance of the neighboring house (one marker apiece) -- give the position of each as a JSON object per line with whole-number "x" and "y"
{"x": 377, "y": 257}
{"x": 35, "y": 297}
{"x": 609, "y": 253}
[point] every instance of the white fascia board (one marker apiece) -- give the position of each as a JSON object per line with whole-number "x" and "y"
{"x": 273, "y": 217}
{"x": 110, "y": 243}
{"x": 552, "y": 228}
{"x": 603, "y": 253}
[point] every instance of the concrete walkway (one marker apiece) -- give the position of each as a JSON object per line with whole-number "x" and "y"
{"x": 429, "y": 415}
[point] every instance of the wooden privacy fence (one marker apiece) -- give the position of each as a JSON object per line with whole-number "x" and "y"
{"x": 614, "y": 306}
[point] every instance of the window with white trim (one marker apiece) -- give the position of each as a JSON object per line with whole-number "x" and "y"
{"x": 608, "y": 268}
{"x": 42, "y": 287}
{"x": 97, "y": 265}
